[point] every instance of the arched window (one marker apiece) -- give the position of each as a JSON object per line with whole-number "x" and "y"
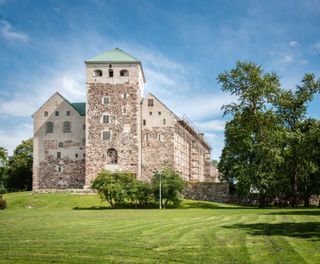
{"x": 110, "y": 73}
{"x": 124, "y": 73}
{"x": 112, "y": 156}
{"x": 49, "y": 127}
{"x": 97, "y": 73}
{"x": 66, "y": 127}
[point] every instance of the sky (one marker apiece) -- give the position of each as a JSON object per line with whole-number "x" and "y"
{"x": 183, "y": 46}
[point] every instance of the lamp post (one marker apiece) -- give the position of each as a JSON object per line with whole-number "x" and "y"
{"x": 160, "y": 198}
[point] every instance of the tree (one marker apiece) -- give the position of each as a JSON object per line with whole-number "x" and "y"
{"x": 3, "y": 169}
{"x": 172, "y": 186}
{"x": 251, "y": 154}
{"x": 20, "y": 167}
{"x": 291, "y": 108}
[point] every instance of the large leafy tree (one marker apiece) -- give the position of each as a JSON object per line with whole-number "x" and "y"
{"x": 3, "y": 168}
{"x": 291, "y": 109}
{"x": 20, "y": 167}
{"x": 253, "y": 137}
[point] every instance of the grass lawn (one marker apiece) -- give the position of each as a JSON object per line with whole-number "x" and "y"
{"x": 72, "y": 228}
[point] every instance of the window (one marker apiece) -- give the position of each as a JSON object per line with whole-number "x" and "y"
{"x": 124, "y": 95}
{"x": 106, "y": 100}
{"x": 112, "y": 156}
{"x": 147, "y": 137}
{"x": 106, "y": 135}
{"x": 58, "y": 155}
{"x": 124, "y": 73}
{"x": 159, "y": 113}
{"x": 150, "y": 102}
{"x": 84, "y": 127}
{"x": 60, "y": 144}
{"x": 110, "y": 73}
{"x": 144, "y": 122}
{"x": 124, "y": 110}
{"x": 76, "y": 155}
{"x": 68, "y": 113}
{"x": 110, "y": 66}
{"x": 150, "y": 113}
{"x": 97, "y": 73}
{"x": 164, "y": 121}
{"x": 106, "y": 119}
{"x": 56, "y": 113}
{"x": 49, "y": 127}
{"x": 46, "y": 113}
{"x": 66, "y": 127}
{"x": 59, "y": 169}
{"x": 84, "y": 155}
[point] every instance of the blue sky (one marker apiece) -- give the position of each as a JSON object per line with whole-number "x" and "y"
{"x": 183, "y": 45}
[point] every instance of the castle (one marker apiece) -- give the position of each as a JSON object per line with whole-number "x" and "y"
{"x": 117, "y": 129}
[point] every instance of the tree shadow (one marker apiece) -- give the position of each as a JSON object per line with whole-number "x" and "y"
{"x": 298, "y": 230}
{"x": 300, "y": 212}
{"x": 209, "y": 205}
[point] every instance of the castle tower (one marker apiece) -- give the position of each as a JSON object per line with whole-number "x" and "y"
{"x": 115, "y": 83}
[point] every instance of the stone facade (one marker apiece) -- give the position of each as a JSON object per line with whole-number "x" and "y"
{"x": 119, "y": 130}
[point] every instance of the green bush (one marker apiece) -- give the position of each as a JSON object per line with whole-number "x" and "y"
{"x": 3, "y": 203}
{"x": 172, "y": 186}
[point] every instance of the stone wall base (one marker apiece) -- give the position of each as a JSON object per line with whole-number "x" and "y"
{"x": 207, "y": 191}
{"x": 76, "y": 191}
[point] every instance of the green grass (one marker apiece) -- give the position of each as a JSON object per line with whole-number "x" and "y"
{"x": 71, "y": 228}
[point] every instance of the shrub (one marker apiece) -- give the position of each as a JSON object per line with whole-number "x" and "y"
{"x": 172, "y": 186}
{"x": 114, "y": 187}
{"x": 3, "y": 203}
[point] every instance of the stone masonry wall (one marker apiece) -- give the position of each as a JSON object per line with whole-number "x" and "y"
{"x": 124, "y": 128}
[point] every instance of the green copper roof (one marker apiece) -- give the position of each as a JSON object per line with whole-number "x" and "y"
{"x": 114, "y": 56}
{"x": 80, "y": 107}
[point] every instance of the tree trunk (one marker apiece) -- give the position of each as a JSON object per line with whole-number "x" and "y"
{"x": 262, "y": 201}
{"x": 307, "y": 195}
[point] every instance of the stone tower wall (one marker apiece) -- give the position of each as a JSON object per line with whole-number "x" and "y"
{"x": 123, "y": 109}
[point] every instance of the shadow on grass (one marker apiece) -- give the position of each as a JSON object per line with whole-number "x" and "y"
{"x": 299, "y": 212}
{"x": 299, "y": 230}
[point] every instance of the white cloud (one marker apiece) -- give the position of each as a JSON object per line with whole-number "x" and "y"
{"x": 9, "y": 33}
{"x": 11, "y": 137}
{"x": 293, "y": 43}
{"x": 212, "y": 125}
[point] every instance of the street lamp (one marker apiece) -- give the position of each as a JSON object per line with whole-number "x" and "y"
{"x": 160, "y": 198}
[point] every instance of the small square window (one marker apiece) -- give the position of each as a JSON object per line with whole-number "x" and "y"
{"x": 150, "y": 113}
{"x": 76, "y": 155}
{"x": 46, "y": 113}
{"x": 159, "y": 113}
{"x": 60, "y": 144}
{"x": 56, "y": 113}
{"x": 150, "y": 102}
{"x": 68, "y": 113}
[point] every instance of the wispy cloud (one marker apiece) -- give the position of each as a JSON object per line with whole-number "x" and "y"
{"x": 9, "y": 33}
{"x": 11, "y": 137}
{"x": 293, "y": 43}
{"x": 212, "y": 125}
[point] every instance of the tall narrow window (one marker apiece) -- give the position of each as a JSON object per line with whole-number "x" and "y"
{"x": 159, "y": 113}
{"x": 106, "y": 119}
{"x": 68, "y": 113}
{"x": 150, "y": 102}
{"x": 58, "y": 155}
{"x": 49, "y": 127}
{"x": 106, "y": 135}
{"x": 164, "y": 121}
{"x": 144, "y": 122}
{"x": 46, "y": 113}
{"x": 124, "y": 73}
{"x": 124, "y": 95}
{"x": 110, "y": 73}
{"x": 106, "y": 100}
{"x": 66, "y": 127}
